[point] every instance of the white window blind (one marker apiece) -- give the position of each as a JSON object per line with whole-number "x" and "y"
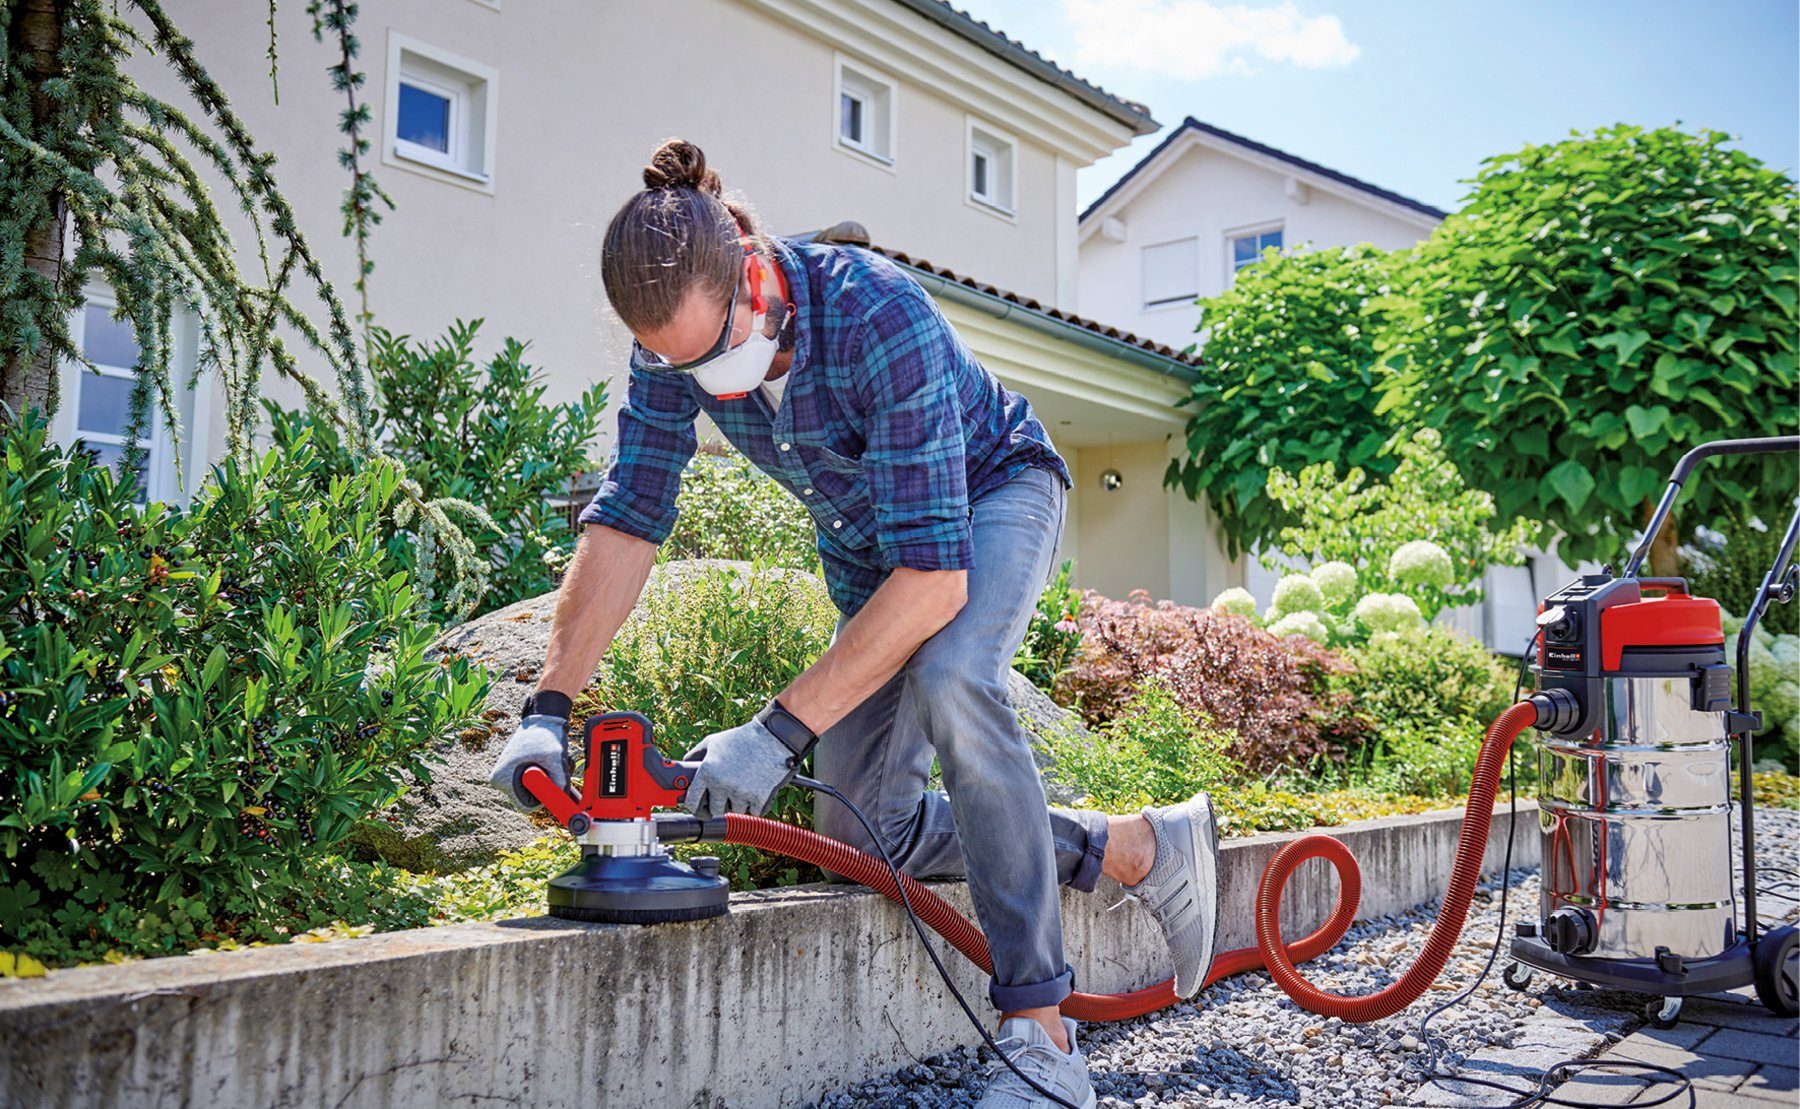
{"x": 1171, "y": 272}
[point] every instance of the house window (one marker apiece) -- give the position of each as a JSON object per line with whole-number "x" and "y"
{"x": 865, "y": 113}
{"x": 1172, "y": 273}
{"x": 991, "y": 176}
{"x": 102, "y": 408}
{"x": 1248, "y": 246}
{"x": 441, "y": 113}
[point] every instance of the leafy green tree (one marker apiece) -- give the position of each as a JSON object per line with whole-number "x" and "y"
{"x": 1600, "y": 306}
{"x": 1289, "y": 380}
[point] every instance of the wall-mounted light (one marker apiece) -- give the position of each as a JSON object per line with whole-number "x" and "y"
{"x": 1110, "y": 480}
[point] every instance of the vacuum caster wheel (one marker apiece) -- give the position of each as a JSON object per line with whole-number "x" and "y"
{"x": 1778, "y": 969}
{"x": 1665, "y": 1013}
{"x": 1517, "y": 976}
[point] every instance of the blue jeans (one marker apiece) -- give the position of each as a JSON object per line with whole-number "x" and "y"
{"x": 990, "y": 823}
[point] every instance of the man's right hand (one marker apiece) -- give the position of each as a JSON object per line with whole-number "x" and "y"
{"x": 541, "y": 741}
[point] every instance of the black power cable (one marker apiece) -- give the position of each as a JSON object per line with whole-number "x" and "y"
{"x": 1558, "y": 1073}
{"x": 906, "y": 903}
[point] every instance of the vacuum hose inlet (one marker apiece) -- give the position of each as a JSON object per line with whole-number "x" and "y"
{"x": 1269, "y": 952}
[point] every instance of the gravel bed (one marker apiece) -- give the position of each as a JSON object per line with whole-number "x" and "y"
{"x": 1243, "y": 1042}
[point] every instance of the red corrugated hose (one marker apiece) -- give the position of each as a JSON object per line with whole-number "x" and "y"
{"x": 1269, "y": 952}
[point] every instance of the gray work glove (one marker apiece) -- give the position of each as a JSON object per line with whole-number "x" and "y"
{"x": 541, "y": 741}
{"x": 740, "y": 770}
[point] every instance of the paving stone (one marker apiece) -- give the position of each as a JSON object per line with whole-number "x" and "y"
{"x": 1735, "y": 1014}
{"x": 1778, "y": 1084}
{"x": 1711, "y": 1072}
{"x": 1735, "y": 1043}
{"x": 1600, "y": 1088}
{"x": 1684, "y": 1036}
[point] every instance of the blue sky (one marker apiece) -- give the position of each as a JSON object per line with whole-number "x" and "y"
{"x": 1413, "y": 94}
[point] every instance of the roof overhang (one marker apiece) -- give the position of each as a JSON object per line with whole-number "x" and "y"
{"x": 902, "y": 37}
{"x": 1188, "y": 138}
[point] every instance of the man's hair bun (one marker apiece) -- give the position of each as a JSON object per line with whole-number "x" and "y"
{"x": 678, "y": 163}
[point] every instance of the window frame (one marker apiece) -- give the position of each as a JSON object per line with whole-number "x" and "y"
{"x": 1002, "y": 152}
{"x": 1253, "y": 230}
{"x": 1145, "y": 304}
{"x": 195, "y": 406}
{"x": 870, "y": 87}
{"x": 473, "y": 90}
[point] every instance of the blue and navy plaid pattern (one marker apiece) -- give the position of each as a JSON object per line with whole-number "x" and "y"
{"x": 887, "y": 430}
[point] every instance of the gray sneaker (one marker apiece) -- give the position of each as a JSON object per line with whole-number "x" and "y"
{"x": 1182, "y": 889}
{"x": 1025, "y": 1042}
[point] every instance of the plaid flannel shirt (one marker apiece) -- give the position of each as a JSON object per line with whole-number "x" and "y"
{"x": 887, "y": 430}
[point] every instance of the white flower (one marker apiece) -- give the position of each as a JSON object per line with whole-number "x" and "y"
{"x": 1388, "y": 612}
{"x": 1238, "y": 602}
{"x": 1421, "y": 563}
{"x": 1296, "y": 593}
{"x": 1302, "y": 623}
{"x": 1336, "y": 582}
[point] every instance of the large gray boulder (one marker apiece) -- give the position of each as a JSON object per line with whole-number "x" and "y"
{"x": 462, "y": 821}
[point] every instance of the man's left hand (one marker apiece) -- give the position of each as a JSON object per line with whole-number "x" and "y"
{"x": 740, "y": 770}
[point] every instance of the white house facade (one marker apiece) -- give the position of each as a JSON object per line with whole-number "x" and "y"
{"x": 508, "y": 133}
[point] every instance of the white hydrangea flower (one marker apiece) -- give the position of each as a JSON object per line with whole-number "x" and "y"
{"x": 1238, "y": 602}
{"x": 1296, "y": 593}
{"x": 1302, "y": 623}
{"x": 1421, "y": 563}
{"x": 1336, "y": 582}
{"x": 1388, "y": 612}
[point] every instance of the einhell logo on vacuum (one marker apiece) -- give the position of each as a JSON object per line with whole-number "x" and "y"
{"x": 1563, "y": 658}
{"x": 612, "y": 768}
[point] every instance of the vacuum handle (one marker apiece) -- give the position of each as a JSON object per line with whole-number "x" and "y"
{"x": 1780, "y": 444}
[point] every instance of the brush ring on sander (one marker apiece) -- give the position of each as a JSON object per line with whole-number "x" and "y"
{"x": 636, "y": 889}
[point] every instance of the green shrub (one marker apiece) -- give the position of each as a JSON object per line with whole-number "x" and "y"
{"x": 1729, "y": 567}
{"x": 1425, "y": 678}
{"x": 1154, "y": 752}
{"x": 194, "y": 708}
{"x": 1053, "y": 637}
{"x": 729, "y": 509}
{"x": 1422, "y": 532}
{"x": 480, "y": 434}
{"x": 705, "y": 652}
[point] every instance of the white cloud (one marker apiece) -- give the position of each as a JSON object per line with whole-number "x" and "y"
{"x": 1189, "y": 39}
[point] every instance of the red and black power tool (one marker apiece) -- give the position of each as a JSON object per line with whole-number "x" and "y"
{"x": 625, "y": 876}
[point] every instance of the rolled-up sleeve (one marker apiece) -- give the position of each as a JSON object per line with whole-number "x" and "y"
{"x": 915, "y": 457}
{"x": 656, "y": 439}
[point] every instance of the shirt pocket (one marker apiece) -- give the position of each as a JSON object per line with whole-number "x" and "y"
{"x": 840, "y": 505}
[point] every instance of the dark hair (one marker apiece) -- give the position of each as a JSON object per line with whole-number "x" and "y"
{"x": 681, "y": 232}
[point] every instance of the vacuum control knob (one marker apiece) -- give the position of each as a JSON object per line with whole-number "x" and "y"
{"x": 707, "y": 866}
{"x": 1570, "y": 931}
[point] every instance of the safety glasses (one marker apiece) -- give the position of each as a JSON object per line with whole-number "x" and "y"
{"x": 650, "y": 360}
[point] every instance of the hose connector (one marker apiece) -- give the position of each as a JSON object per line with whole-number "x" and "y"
{"x": 1558, "y": 710}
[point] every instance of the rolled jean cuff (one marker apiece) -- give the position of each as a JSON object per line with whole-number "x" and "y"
{"x": 1034, "y": 995}
{"x": 1093, "y": 855}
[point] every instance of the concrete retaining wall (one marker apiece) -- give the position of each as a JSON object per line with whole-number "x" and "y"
{"x": 793, "y": 993}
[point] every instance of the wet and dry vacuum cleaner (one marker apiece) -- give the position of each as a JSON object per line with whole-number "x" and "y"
{"x": 1635, "y": 707}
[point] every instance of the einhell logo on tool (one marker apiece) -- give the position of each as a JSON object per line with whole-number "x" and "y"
{"x": 1563, "y": 658}
{"x": 612, "y": 768}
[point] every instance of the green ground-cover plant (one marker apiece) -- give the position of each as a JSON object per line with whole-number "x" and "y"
{"x": 1054, "y": 635}
{"x": 480, "y": 438}
{"x": 729, "y": 509}
{"x": 1598, "y": 307}
{"x": 1154, "y": 752}
{"x": 1288, "y": 380}
{"x": 196, "y": 707}
{"x": 706, "y": 652}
